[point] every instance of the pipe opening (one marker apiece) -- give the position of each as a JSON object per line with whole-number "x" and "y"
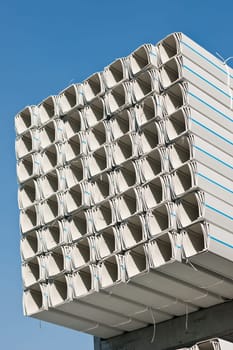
{"x": 167, "y": 48}
{"x": 120, "y": 124}
{"x": 82, "y": 282}
{"x": 52, "y": 236}
{"x": 51, "y": 209}
{"x": 74, "y": 198}
{"x": 58, "y": 291}
{"x": 150, "y": 137}
{"x": 31, "y": 272}
{"x": 175, "y": 124}
{"x": 157, "y": 220}
{"x": 126, "y": 176}
{"x": 151, "y": 165}
{"x": 68, "y": 98}
{"x": 49, "y": 158}
{"x": 188, "y": 209}
{"x": 23, "y": 120}
{"x": 81, "y": 254}
{"x": 49, "y": 184}
{"x": 28, "y": 194}
{"x": 98, "y": 161}
{"x": 160, "y": 251}
{"x": 146, "y": 111}
{"x": 117, "y": 98}
{"x": 73, "y": 123}
{"x": 139, "y": 59}
{"x": 109, "y": 272}
{"x": 94, "y": 112}
{"x": 92, "y": 86}
{"x": 24, "y": 144}
{"x": 142, "y": 85}
{"x": 25, "y": 168}
{"x": 173, "y": 99}
{"x": 193, "y": 240}
{"x": 169, "y": 73}
{"x": 106, "y": 242}
{"x": 153, "y": 193}
{"x": 123, "y": 149}
{"x": 73, "y": 148}
{"x": 74, "y": 173}
{"x": 56, "y": 262}
{"x": 33, "y": 301}
{"x": 100, "y": 188}
{"x": 127, "y": 204}
{"x": 132, "y": 232}
{"x": 114, "y": 73}
{"x": 102, "y": 216}
{"x": 28, "y": 219}
{"x": 96, "y": 136}
{"x": 180, "y": 152}
{"x": 136, "y": 261}
{"x": 29, "y": 245}
{"x": 182, "y": 180}
{"x": 48, "y": 134}
{"x": 78, "y": 226}
{"x": 47, "y": 109}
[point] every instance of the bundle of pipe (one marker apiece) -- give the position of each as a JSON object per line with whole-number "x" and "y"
{"x": 125, "y": 192}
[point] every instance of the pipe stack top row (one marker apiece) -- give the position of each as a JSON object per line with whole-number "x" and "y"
{"x": 125, "y": 185}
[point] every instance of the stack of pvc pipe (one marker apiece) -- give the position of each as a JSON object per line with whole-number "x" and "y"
{"x": 211, "y": 344}
{"x": 125, "y": 192}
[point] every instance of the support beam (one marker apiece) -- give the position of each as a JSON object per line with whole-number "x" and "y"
{"x": 216, "y": 321}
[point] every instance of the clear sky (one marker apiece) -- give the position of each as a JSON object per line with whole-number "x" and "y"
{"x": 46, "y": 45}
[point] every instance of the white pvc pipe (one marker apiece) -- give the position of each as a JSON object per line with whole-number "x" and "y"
{"x": 76, "y": 146}
{"x": 126, "y": 176}
{"x": 145, "y": 84}
{"x": 83, "y": 253}
{"x": 93, "y": 86}
{"x": 74, "y": 172}
{"x": 28, "y": 167}
{"x": 116, "y": 72}
{"x": 50, "y": 183}
{"x": 70, "y": 98}
{"x": 96, "y": 137}
{"x": 84, "y": 281}
{"x": 59, "y": 261}
{"x": 26, "y": 119}
{"x": 94, "y": 112}
{"x": 60, "y": 291}
{"x": 99, "y": 161}
{"x": 125, "y": 148}
{"x": 48, "y": 109}
{"x": 153, "y": 164}
{"x": 27, "y": 143}
{"x": 73, "y": 123}
{"x": 108, "y": 242}
{"x": 119, "y": 98}
{"x": 149, "y": 109}
{"x": 31, "y": 245}
{"x": 143, "y": 58}
{"x": 34, "y": 271}
{"x": 103, "y": 216}
{"x": 52, "y": 132}
{"x": 121, "y": 124}
{"x": 30, "y": 219}
{"x": 78, "y": 226}
{"x": 35, "y": 299}
{"x": 136, "y": 261}
{"x": 53, "y": 208}
{"x": 150, "y": 137}
{"x": 161, "y": 219}
{"x": 28, "y": 194}
{"x": 155, "y": 192}
{"x": 54, "y": 235}
{"x": 111, "y": 271}
{"x": 128, "y": 204}
{"x": 76, "y": 198}
{"x": 101, "y": 188}
{"x": 52, "y": 157}
{"x": 133, "y": 231}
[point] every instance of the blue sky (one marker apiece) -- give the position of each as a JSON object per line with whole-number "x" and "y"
{"x": 46, "y": 45}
